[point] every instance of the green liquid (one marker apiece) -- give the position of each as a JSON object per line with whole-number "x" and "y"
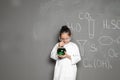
{"x": 61, "y": 51}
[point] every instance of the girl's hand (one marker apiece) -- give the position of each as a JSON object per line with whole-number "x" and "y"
{"x": 64, "y": 56}
{"x": 61, "y": 43}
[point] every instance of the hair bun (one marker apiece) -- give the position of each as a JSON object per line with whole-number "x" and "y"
{"x": 64, "y": 27}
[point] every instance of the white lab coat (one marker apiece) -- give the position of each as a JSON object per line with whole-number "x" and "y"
{"x": 66, "y": 69}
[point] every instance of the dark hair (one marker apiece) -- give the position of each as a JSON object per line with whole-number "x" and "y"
{"x": 65, "y": 29}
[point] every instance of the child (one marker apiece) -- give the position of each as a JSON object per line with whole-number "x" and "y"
{"x": 65, "y": 67}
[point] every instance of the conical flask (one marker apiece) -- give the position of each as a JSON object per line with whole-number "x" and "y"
{"x": 61, "y": 50}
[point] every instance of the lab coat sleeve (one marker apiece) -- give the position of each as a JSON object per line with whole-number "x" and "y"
{"x": 75, "y": 57}
{"x": 53, "y": 54}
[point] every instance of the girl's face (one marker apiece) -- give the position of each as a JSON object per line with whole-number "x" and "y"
{"x": 65, "y": 37}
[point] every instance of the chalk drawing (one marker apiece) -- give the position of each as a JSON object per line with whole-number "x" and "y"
{"x": 82, "y": 44}
{"x": 84, "y": 15}
{"x": 96, "y": 63}
{"x": 112, "y": 53}
{"x": 78, "y": 27}
{"x": 86, "y": 63}
{"x": 93, "y": 48}
{"x": 91, "y": 23}
{"x": 108, "y": 40}
{"x": 75, "y": 27}
{"x": 102, "y": 63}
{"x": 91, "y": 26}
{"x": 90, "y": 61}
{"x": 87, "y": 16}
{"x": 105, "y": 24}
{"x": 111, "y": 24}
{"x": 105, "y": 40}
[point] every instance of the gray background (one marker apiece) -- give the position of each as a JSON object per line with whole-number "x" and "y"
{"x": 29, "y": 28}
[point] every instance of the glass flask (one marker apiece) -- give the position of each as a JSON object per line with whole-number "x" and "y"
{"x": 61, "y": 50}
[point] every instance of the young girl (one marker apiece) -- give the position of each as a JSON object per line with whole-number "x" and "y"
{"x": 65, "y": 67}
